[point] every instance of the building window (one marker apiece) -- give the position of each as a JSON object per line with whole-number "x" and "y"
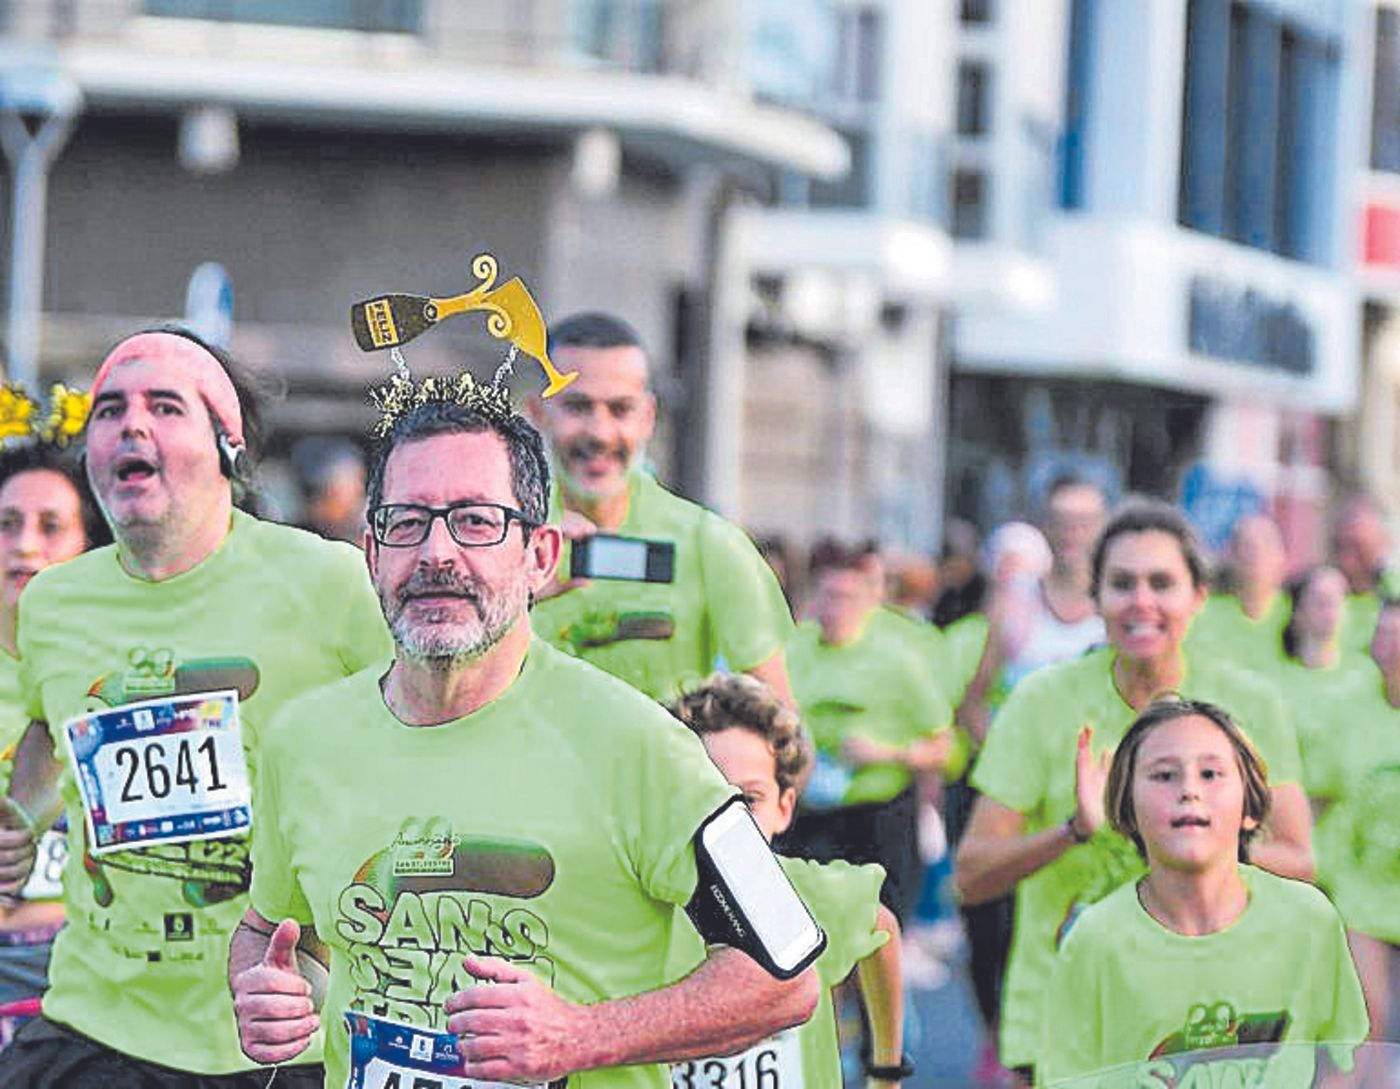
{"x": 969, "y": 204}
{"x": 1078, "y": 73}
{"x": 859, "y": 41}
{"x": 621, "y": 35}
{"x": 373, "y": 15}
{"x": 928, "y": 177}
{"x": 974, "y": 98}
{"x": 1385, "y": 102}
{"x": 977, "y": 11}
{"x": 1258, "y": 128}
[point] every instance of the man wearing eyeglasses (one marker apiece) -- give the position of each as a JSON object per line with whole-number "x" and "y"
{"x": 483, "y": 810}
{"x": 719, "y": 600}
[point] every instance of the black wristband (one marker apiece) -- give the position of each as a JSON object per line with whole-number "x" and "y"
{"x": 905, "y": 1069}
{"x": 1074, "y": 832}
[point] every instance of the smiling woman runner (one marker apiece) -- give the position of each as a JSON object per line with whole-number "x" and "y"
{"x": 1040, "y": 828}
{"x": 1203, "y": 954}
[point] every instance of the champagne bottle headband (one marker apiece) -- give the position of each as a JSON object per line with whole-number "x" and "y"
{"x": 391, "y": 320}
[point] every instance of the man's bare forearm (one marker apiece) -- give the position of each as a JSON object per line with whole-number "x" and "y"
{"x": 34, "y": 778}
{"x": 727, "y": 1004}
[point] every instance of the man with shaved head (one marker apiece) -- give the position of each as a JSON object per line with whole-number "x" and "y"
{"x": 718, "y": 602}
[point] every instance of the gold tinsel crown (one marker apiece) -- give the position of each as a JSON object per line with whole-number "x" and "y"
{"x": 401, "y": 395}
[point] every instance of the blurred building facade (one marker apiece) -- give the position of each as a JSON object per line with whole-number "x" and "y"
{"x": 1157, "y": 252}
{"x": 323, "y": 151}
{"x": 894, "y": 259}
{"x": 846, "y": 309}
{"x": 1374, "y": 446}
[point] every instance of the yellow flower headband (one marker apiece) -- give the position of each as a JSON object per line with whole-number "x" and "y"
{"x": 21, "y": 416}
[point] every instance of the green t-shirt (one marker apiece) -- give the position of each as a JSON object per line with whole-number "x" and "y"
{"x": 552, "y": 827}
{"x": 13, "y": 720}
{"x": 1223, "y": 627}
{"x": 1027, "y": 764}
{"x": 1360, "y": 834}
{"x": 662, "y": 637}
{"x": 963, "y": 644}
{"x": 1323, "y": 705}
{"x": 844, "y": 899}
{"x": 878, "y": 686}
{"x": 1127, "y": 989}
{"x": 43, "y": 883}
{"x": 142, "y": 964}
{"x": 1359, "y": 615}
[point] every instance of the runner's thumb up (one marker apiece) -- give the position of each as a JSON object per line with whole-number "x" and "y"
{"x": 12, "y": 816}
{"x": 282, "y": 948}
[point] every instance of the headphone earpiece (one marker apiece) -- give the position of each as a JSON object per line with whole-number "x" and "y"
{"x": 233, "y": 457}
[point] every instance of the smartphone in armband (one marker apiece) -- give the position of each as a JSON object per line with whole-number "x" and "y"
{"x": 609, "y": 556}
{"x": 745, "y": 897}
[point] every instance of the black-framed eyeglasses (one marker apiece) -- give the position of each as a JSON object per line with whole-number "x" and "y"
{"x": 472, "y": 525}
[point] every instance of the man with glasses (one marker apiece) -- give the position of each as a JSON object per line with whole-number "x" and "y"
{"x": 484, "y": 809}
{"x": 187, "y": 633}
{"x": 719, "y": 600}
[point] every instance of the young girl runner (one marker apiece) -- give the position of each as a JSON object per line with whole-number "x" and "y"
{"x": 1039, "y": 826}
{"x": 1204, "y": 952}
{"x": 758, "y": 745}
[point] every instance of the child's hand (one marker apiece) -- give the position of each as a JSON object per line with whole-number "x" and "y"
{"x": 1090, "y": 775}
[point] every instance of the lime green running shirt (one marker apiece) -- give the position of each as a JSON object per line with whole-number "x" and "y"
{"x": 1027, "y": 764}
{"x": 552, "y": 827}
{"x": 1223, "y": 628}
{"x": 725, "y": 601}
{"x": 1360, "y": 832}
{"x": 142, "y": 964}
{"x": 879, "y": 686}
{"x": 1359, "y": 615}
{"x": 1127, "y": 989}
{"x": 13, "y": 719}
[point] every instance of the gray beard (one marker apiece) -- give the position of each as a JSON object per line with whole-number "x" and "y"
{"x": 445, "y": 650}
{"x": 442, "y": 648}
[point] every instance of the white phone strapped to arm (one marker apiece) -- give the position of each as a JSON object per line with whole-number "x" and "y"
{"x": 744, "y": 899}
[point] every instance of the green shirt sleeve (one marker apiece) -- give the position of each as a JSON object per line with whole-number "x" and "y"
{"x": 1011, "y": 768}
{"x": 1350, "y": 1021}
{"x": 747, "y": 612}
{"x": 275, "y": 892}
{"x": 364, "y": 636}
{"x": 845, "y": 900}
{"x": 30, "y": 693}
{"x": 963, "y": 643}
{"x": 675, "y": 787}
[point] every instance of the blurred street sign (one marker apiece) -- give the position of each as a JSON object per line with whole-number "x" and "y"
{"x": 209, "y": 303}
{"x": 1214, "y": 504}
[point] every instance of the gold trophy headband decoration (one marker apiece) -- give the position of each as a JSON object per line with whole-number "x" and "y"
{"x": 20, "y": 416}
